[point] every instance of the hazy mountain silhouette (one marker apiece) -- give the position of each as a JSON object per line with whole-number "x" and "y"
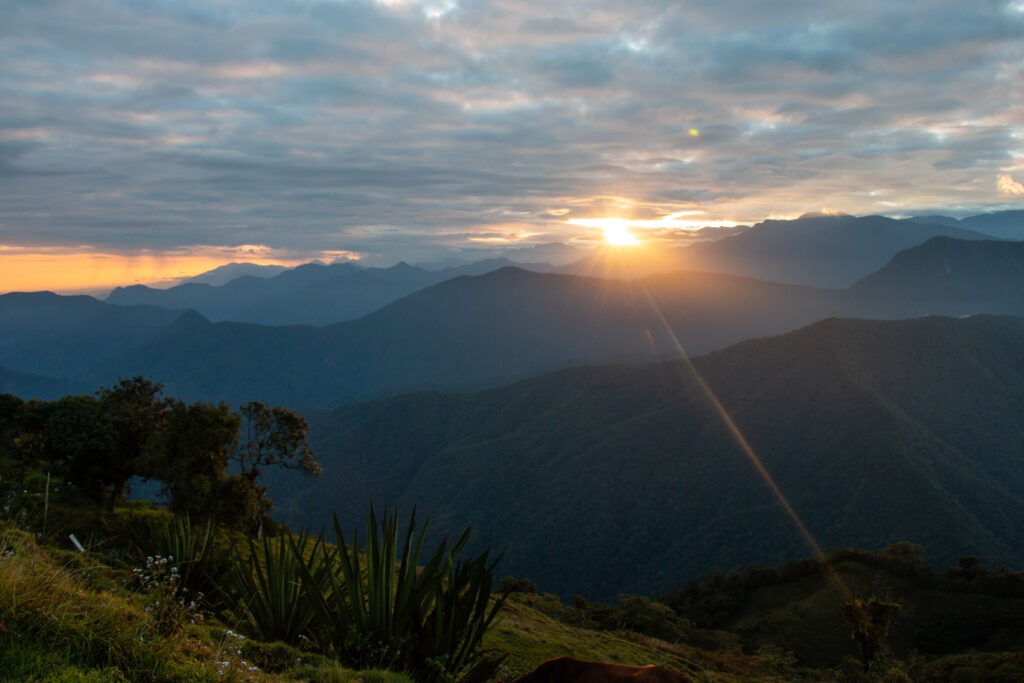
{"x": 483, "y": 330}
{"x": 818, "y": 250}
{"x": 947, "y": 276}
{"x": 310, "y": 294}
{"x": 814, "y": 250}
{"x": 230, "y": 271}
{"x": 40, "y": 387}
{"x": 626, "y": 479}
{"x": 69, "y": 336}
{"x": 227, "y": 301}
{"x": 468, "y": 331}
{"x": 1001, "y": 224}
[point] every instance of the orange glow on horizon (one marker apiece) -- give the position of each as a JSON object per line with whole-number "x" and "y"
{"x": 70, "y": 271}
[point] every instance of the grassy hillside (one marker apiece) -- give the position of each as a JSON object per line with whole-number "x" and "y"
{"x": 93, "y": 616}
{"x": 81, "y": 617}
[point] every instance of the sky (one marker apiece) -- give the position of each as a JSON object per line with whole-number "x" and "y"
{"x": 148, "y": 139}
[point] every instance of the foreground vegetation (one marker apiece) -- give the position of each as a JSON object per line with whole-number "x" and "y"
{"x": 114, "y": 613}
{"x": 96, "y": 589}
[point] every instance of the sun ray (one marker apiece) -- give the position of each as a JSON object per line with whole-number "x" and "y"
{"x": 687, "y": 366}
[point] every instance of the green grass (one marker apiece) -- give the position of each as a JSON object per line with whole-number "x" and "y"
{"x": 80, "y": 617}
{"x": 70, "y": 617}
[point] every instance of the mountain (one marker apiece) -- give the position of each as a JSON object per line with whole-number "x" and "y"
{"x": 468, "y": 331}
{"x": 476, "y": 331}
{"x": 949, "y": 277}
{"x": 30, "y": 386}
{"x": 225, "y": 302}
{"x": 614, "y": 479}
{"x": 547, "y": 255}
{"x": 223, "y": 274}
{"x": 67, "y": 337}
{"x": 349, "y": 293}
{"x": 1002, "y": 224}
{"x": 817, "y": 250}
{"x": 310, "y": 294}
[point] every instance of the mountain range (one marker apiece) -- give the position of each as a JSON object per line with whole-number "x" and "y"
{"x": 629, "y": 478}
{"x": 477, "y": 331}
{"x": 814, "y": 250}
{"x": 311, "y": 294}
{"x": 618, "y": 461}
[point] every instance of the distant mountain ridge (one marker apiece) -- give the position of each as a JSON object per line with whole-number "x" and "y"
{"x": 948, "y": 276}
{"x": 815, "y": 250}
{"x": 999, "y": 224}
{"x": 476, "y": 331}
{"x": 310, "y": 294}
{"x": 223, "y": 274}
{"x": 820, "y": 250}
{"x": 626, "y": 479}
{"x": 468, "y": 331}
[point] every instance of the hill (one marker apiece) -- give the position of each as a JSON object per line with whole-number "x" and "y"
{"x": 798, "y": 607}
{"x": 610, "y": 479}
{"x": 68, "y": 336}
{"x": 948, "y": 277}
{"x": 1001, "y": 224}
{"x": 819, "y": 250}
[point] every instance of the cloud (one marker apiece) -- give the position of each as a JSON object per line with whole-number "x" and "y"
{"x": 398, "y": 128}
{"x": 1007, "y": 185}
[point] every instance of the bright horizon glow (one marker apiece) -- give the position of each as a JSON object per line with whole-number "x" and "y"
{"x": 681, "y": 220}
{"x": 82, "y": 270}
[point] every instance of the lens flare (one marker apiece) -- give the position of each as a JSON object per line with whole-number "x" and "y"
{"x": 687, "y": 366}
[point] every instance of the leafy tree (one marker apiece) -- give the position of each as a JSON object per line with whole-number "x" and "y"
{"x": 271, "y": 437}
{"x": 22, "y": 437}
{"x": 191, "y": 455}
{"x": 83, "y": 441}
{"x": 135, "y": 412}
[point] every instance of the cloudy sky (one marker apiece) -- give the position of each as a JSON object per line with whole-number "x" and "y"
{"x": 172, "y": 133}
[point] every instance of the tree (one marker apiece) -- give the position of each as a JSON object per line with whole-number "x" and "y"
{"x": 275, "y": 437}
{"x": 82, "y": 440}
{"x": 191, "y": 454}
{"x": 22, "y": 437}
{"x": 135, "y": 412}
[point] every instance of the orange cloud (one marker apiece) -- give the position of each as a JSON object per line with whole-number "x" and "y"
{"x": 1007, "y": 185}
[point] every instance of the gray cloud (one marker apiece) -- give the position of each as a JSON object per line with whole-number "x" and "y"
{"x": 395, "y": 128}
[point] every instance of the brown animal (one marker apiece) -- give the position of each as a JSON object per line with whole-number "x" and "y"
{"x": 568, "y": 670}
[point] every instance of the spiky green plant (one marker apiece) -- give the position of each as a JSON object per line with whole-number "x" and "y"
{"x": 273, "y": 593}
{"x": 380, "y": 608}
{"x": 192, "y": 548}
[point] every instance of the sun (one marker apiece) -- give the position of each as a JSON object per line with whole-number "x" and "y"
{"x": 619, "y": 236}
{"x": 616, "y": 232}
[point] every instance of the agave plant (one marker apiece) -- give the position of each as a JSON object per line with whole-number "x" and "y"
{"x": 272, "y": 595}
{"x": 381, "y": 608}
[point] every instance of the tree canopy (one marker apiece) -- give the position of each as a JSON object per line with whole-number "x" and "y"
{"x": 207, "y": 458}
